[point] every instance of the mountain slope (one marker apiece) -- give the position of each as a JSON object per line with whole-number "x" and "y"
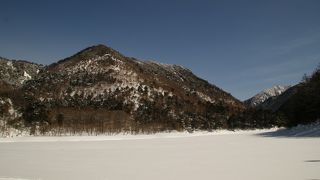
{"x": 99, "y": 89}
{"x": 264, "y": 95}
{"x": 275, "y": 102}
{"x": 304, "y": 105}
{"x": 300, "y": 104}
{"x": 15, "y": 73}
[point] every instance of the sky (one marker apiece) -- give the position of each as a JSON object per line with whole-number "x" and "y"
{"x": 241, "y": 46}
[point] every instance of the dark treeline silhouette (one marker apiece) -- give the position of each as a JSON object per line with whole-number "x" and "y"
{"x": 304, "y": 106}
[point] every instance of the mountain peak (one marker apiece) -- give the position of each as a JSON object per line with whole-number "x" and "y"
{"x": 275, "y": 90}
{"x": 96, "y": 50}
{"x": 266, "y": 94}
{"x": 89, "y": 53}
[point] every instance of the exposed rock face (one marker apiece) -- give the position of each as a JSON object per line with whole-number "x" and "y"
{"x": 264, "y": 95}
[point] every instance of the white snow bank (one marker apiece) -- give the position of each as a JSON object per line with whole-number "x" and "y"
{"x": 3, "y": 178}
{"x": 311, "y": 130}
{"x": 127, "y": 136}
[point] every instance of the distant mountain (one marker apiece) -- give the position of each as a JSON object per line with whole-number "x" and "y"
{"x": 264, "y": 95}
{"x": 100, "y": 90}
{"x": 275, "y": 102}
{"x": 299, "y": 104}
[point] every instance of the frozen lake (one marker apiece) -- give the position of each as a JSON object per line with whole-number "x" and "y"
{"x": 225, "y": 156}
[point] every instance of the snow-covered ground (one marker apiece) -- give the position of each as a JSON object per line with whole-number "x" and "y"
{"x": 24, "y": 137}
{"x": 310, "y": 130}
{"x": 223, "y": 155}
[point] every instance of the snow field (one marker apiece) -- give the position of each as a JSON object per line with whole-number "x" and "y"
{"x": 225, "y": 155}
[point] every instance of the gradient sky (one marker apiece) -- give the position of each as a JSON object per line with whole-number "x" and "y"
{"x": 240, "y": 46}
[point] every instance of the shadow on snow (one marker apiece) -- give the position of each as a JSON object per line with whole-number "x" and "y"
{"x": 311, "y": 130}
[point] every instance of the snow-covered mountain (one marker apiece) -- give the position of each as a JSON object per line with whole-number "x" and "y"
{"x": 13, "y": 75}
{"x": 262, "y": 96}
{"x": 16, "y": 73}
{"x": 101, "y": 90}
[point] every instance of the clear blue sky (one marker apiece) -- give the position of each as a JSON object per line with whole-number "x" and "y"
{"x": 240, "y": 46}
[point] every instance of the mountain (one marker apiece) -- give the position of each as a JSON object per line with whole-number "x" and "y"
{"x": 102, "y": 91}
{"x": 98, "y": 90}
{"x": 14, "y": 73}
{"x": 264, "y": 95}
{"x": 275, "y": 102}
{"x": 299, "y": 104}
{"x": 303, "y": 106}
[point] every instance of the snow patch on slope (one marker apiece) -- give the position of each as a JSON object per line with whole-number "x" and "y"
{"x": 205, "y": 97}
{"x": 10, "y": 64}
{"x": 25, "y": 77}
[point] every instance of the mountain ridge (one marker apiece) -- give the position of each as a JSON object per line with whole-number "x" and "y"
{"x": 265, "y": 94}
{"x": 99, "y": 89}
{"x": 16, "y": 72}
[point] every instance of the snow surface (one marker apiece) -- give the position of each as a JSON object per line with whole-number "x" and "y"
{"x": 221, "y": 155}
{"x": 310, "y": 130}
{"x": 12, "y": 179}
